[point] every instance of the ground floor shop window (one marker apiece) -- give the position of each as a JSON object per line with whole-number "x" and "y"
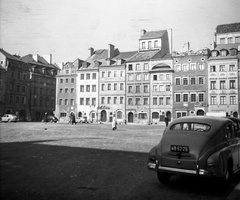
{"x": 142, "y": 116}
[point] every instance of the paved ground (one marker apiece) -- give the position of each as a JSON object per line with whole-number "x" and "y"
{"x": 62, "y": 161}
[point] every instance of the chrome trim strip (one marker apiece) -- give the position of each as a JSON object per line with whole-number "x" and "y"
{"x": 178, "y": 170}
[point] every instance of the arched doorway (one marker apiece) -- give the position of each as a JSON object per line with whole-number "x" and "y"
{"x": 200, "y": 112}
{"x": 169, "y": 115}
{"x": 130, "y": 117}
{"x": 79, "y": 114}
{"x": 103, "y": 116}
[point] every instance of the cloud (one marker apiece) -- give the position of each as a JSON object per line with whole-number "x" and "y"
{"x": 23, "y": 8}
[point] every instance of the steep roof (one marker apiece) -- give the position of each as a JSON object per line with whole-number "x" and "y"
{"x": 41, "y": 61}
{"x": 141, "y": 56}
{"x": 153, "y": 34}
{"x": 125, "y": 55}
{"x": 228, "y": 28}
{"x": 9, "y": 56}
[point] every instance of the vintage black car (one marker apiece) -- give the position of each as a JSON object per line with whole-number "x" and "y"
{"x": 199, "y": 146}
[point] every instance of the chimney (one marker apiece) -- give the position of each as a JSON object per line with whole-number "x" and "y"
{"x": 170, "y": 40}
{"x": 213, "y": 45}
{"x": 48, "y": 58}
{"x": 110, "y": 51}
{"x": 143, "y": 32}
{"x": 35, "y": 57}
{"x": 91, "y": 51}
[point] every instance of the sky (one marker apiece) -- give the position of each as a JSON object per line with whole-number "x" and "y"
{"x": 68, "y": 28}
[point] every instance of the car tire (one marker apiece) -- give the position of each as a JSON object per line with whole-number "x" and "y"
{"x": 163, "y": 178}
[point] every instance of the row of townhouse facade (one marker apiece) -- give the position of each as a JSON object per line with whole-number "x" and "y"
{"x": 147, "y": 85}
{"x": 27, "y": 86}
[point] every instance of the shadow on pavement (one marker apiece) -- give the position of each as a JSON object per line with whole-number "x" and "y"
{"x": 31, "y": 170}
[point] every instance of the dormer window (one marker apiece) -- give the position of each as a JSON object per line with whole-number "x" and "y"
{"x": 149, "y": 45}
{"x": 155, "y": 44}
{"x": 223, "y": 52}
{"x": 230, "y": 40}
{"x": 233, "y": 52}
{"x": 214, "y": 53}
{"x": 143, "y": 45}
{"x": 222, "y": 40}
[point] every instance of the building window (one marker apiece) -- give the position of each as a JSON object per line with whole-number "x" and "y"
{"x": 232, "y": 68}
{"x": 109, "y": 86}
{"x": 145, "y": 101}
{"x": 193, "y": 66}
{"x": 237, "y": 39}
{"x": 155, "y": 77}
{"x": 149, "y": 44}
{"x": 155, "y": 44}
{"x": 82, "y": 77}
{"x": 161, "y": 77}
{"x": 138, "y": 77}
{"x": 168, "y": 102}
{"x": 109, "y": 100}
{"x": 212, "y": 68}
{"x": 121, "y": 100}
{"x": 193, "y": 98}
{"x": 66, "y": 101}
{"x": 201, "y": 80}
{"x": 185, "y": 67}
{"x": 145, "y": 88}
{"x": 130, "y": 101}
{"x": 72, "y": 101}
{"x": 213, "y": 85}
{"x": 60, "y": 90}
{"x": 233, "y": 100}
{"x": 181, "y": 114}
{"x": 154, "y": 88}
{"x": 232, "y": 84}
{"x": 138, "y": 89}
{"x": 222, "y": 68}
{"x": 103, "y": 74}
{"x": 178, "y": 98}
{"x": 177, "y": 81}
{"x": 121, "y": 86}
{"x": 130, "y": 68}
{"x": 168, "y": 88}
{"x": 222, "y": 84}
{"x": 185, "y": 97}
{"x": 93, "y": 101}
{"x": 121, "y": 73}
{"x": 94, "y": 76}
{"x": 81, "y": 88}
{"x": 222, "y": 40}
{"x": 201, "y": 66}
{"x": 142, "y": 116}
{"x": 146, "y": 77}
{"x": 103, "y": 87}
{"x": 193, "y": 81}
{"x": 185, "y": 81}
{"x": 66, "y": 90}
{"x": 213, "y": 100}
{"x": 119, "y": 115}
{"x": 87, "y": 88}
{"x": 94, "y": 88}
{"x": 143, "y": 45}
{"x": 88, "y": 76}
{"x": 222, "y": 100}
{"x": 115, "y": 73}
{"x": 230, "y": 40}
{"x": 161, "y": 88}
{"x": 109, "y": 73}
{"x": 103, "y": 100}
{"x": 114, "y": 100}
{"x": 138, "y": 68}
{"x": 160, "y": 100}
{"x": 167, "y": 76}
{"x": 72, "y": 80}
{"x": 224, "y": 53}
{"x": 72, "y": 90}
{"x": 201, "y": 97}
{"x": 154, "y": 100}
{"x": 130, "y": 77}
{"x": 137, "y": 102}
{"x": 60, "y": 102}
{"x": 87, "y": 101}
{"x": 130, "y": 89}
{"x": 178, "y": 67}
{"x": 145, "y": 66}
{"x": 81, "y": 101}
{"x": 66, "y": 80}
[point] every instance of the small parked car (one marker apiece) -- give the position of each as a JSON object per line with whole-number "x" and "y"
{"x": 10, "y": 118}
{"x": 83, "y": 120}
{"x": 53, "y": 119}
{"x": 199, "y": 146}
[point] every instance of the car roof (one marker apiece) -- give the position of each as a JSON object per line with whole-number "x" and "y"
{"x": 202, "y": 119}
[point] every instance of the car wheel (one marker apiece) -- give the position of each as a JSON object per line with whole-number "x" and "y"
{"x": 163, "y": 177}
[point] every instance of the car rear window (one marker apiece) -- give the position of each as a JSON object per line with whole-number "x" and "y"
{"x": 191, "y": 126}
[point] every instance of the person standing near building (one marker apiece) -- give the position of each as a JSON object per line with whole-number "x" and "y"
{"x": 166, "y": 121}
{"x": 114, "y": 123}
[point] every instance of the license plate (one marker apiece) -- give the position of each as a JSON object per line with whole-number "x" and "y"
{"x": 179, "y": 148}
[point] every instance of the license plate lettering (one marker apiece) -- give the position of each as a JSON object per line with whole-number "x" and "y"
{"x": 179, "y": 148}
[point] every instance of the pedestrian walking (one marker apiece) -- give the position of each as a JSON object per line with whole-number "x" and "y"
{"x": 114, "y": 124}
{"x": 166, "y": 121}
